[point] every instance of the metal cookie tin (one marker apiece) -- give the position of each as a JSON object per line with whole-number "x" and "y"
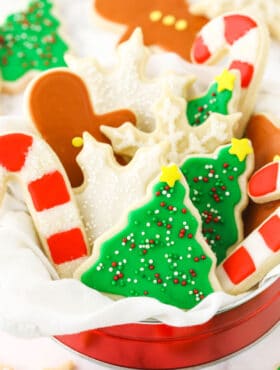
{"x": 152, "y": 345}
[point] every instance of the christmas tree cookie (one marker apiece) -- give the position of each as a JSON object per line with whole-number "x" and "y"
{"x": 218, "y": 185}
{"x": 30, "y": 42}
{"x": 219, "y": 98}
{"x": 156, "y": 251}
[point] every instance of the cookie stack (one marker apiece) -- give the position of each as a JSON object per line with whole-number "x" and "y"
{"x": 140, "y": 186}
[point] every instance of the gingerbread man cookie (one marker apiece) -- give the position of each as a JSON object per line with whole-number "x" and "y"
{"x": 48, "y": 195}
{"x": 261, "y": 130}
{"x": 246, "y": 41}
{"x": 203, "y": 127}
{"x": 165, "y": 23}
{"x": 59, "y": 105}
{"x": 30, "y": 42}
{"x": 268, "y": 10}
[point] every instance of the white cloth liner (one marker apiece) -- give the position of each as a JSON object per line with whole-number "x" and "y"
{"x": 34, "y": 304}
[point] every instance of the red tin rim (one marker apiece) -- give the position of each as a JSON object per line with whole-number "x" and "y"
{"x": 159, "y": 346}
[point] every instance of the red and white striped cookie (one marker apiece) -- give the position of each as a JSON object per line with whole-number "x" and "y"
{"x": 253, "y": 258}
{"x": 246, "y": 41}
{"x": 49, "y": 198}
{"x": 264, "y": 185}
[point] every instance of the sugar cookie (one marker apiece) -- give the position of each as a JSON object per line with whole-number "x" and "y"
{"x": 30, "y": 41}
{"x": 246, "y": 41}
{"x": 126, "y": 86}
{"x": 157, "y": 250}
{"x": 264, "y": 185}
{"x": 109, "y": 188}
{"x": 204, "y": 127}
{"x": 218, "y": 184}
{"x": 268, "y": 10}
{"x": 260, "y": 251}
{"x": 59, "y": 106}
{"x": 253, "y": 258}
{"x": 172, "y": 126}
{"x": 167, "y": 24}
{"x": 48, "y": 196}
{"x": 262, "y": 129}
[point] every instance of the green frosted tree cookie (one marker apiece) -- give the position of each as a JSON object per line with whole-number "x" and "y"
{"x": 29, "y": 40}
{"x": 215, "y": 100}
{"x": 218, "y": 190}
{"x": 159, "y": 252}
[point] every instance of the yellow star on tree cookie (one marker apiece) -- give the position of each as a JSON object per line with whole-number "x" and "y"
{"x": 241, "y": 148}
{"x": 225, "y": 81}
{"x": 170, "y": 174}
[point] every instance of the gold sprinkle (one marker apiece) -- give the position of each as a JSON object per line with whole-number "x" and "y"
{"x": 77, "y": 142}
{"x": 169, "y": 20}
{"x": 276, "y": 158}
{"x": 181, "y": 25}
{"x": 155, "y": 16}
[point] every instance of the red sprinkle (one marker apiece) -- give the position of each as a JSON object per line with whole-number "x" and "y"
{"x": 176, "y": 281}
{"x": 114, "y": 264}
{"x": 162, "y": 204}
{"x": 184, "y": 210}
{"x": 196, "y": 259}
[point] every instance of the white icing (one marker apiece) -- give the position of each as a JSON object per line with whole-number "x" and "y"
{"x": 246, "y": 48}
{"x": 58, "y": 219}
{"x": 39, "y": 161}
{"x": 172, "y": 126}
{"x": 257, "y": 248}
{"x": 125, "y": 86}
{"x": 109, "y": 188}
{"x": 213, "y": 34}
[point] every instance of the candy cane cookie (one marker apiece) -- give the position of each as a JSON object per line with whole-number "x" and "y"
{"x": 264, "y": 185}
{"x": 246, "y": 41}
{"x": 48, "y": 195}
{"x": 260, "y": 251}
{"x": 253, "y": 258}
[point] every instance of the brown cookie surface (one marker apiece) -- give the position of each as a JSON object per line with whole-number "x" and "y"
{"x": 165, "y": 23}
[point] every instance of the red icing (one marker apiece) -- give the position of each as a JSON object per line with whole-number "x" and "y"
{"x": 239, "y": 266}
{"x": 270, "y": 233}
{"x": 67, "y": 246}
{"x": 246, "y": 71}
{"x": 237, "y": 26}
{"x": 264, "y": 181}
{"x": 200, "y": 51}
{"x": 13, "y": 151}
{"x": 49, "y": 191}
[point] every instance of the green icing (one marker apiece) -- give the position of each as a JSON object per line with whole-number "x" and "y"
{"x": 156, "y": 254}
{"x": 215, "y": 192}
{"x": 29, "y": 41}
{"x": 199, "y": 109}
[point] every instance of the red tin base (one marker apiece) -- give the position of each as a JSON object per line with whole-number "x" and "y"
{"x": 158, "y": 346}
